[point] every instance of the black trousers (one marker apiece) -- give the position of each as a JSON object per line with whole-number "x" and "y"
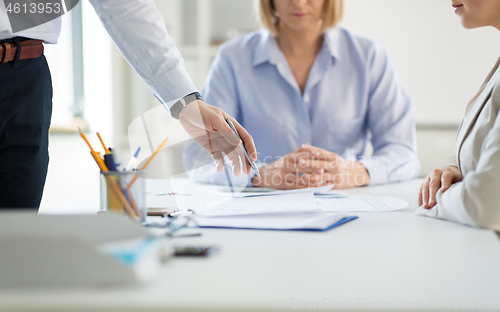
{"x": 25, "y": 112}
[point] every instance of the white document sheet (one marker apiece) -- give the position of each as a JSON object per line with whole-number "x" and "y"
{"x": 302, "y": 202}
{"x": 359, "y": 203}
{"x": 313, "y": 221}
{"x": 246, "y": 193}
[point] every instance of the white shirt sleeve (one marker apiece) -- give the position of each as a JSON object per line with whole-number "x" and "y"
{"x": 138, "y": 30}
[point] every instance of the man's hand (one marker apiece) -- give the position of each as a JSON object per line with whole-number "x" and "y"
{"x": 438, "y": 178}
{"x": 206, "y": 124}
{"x": 311, "y": 166}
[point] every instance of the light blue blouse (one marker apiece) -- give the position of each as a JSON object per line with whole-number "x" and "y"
{"x": 352, "y": 97}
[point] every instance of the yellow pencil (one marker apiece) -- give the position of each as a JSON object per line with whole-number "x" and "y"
{"x": 102, "y": 142}
{"x": 85, "y": 138}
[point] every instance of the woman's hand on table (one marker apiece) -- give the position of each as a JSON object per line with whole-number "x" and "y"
{"x": 339, "y": 171}
{"x": 438, "y": 179}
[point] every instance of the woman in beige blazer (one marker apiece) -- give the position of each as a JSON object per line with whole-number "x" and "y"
{"x": 468, "y": 190}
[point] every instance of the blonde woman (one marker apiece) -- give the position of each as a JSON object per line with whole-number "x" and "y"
{"x": 313, "y": 96}
{"x": 468, "y": 190}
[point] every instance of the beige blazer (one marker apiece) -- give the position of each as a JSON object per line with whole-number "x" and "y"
{"x": 476, "y": 200}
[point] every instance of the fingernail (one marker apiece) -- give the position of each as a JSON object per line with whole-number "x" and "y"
{"x": 307, "y": 176}
{"x": 303, "y": 162}
{"x": 319, "y": 171}
{"x": 315, "y": 153}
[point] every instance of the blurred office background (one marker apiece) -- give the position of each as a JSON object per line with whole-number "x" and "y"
{"x": 440, "y": 64}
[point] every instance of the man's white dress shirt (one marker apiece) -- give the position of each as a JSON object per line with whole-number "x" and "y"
{"x": 138, "y": 30}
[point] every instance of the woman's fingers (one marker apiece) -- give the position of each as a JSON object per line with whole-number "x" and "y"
{"x": 425, "y": 192}
{"x": 433, "y": 182}
{"x": 300, "y": 171}
{"x": 420, "y": 195}
{"x": 315, "y": 164}
{"x": 314, "y": 152}
{"x": 298, "y": 181}
{"x": 446, "y": 180}
{"x": 317, "y": 179}
{"x": 434, "y": 186}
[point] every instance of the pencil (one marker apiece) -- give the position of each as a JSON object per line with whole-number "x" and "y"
{"x": 148, "y": 162}
{"x": 102, "y": 142}
{"x": 112, "y": 183}
{"x": 85, "y": 138}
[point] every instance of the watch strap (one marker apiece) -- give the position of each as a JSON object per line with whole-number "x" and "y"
{"x": 179, "y": 105}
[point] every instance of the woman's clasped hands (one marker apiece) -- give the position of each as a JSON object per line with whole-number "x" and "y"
{"x": 311, "y": 166}
{"x": 438, "y": 179}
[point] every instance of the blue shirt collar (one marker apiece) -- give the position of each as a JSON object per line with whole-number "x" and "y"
{"x": 332, "y": 42}
{"x": 261, "y": 49}
{"x": 267, "y": 47}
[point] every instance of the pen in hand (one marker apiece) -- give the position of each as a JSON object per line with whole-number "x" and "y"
{"x": 242, "y": 146}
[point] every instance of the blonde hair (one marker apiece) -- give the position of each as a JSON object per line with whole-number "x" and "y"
{"x": 333, "y": 9}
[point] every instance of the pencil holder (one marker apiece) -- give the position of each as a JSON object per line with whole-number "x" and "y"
{"x": 124, "y": 192}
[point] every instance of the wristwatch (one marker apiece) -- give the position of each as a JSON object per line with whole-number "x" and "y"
{"x": 175, "y": 110}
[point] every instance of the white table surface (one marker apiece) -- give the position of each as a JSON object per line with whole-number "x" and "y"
{"x": 391, "y": 260}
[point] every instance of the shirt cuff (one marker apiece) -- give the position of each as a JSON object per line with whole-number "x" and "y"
{"x": 173, "y": 86}
{"x": 452, "y": 161}
{"x": 377, "y": 171}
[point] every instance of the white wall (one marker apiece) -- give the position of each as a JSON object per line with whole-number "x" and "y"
{"x": 441, "y": 64}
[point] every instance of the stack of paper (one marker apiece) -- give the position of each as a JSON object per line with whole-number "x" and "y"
{"x": 310, "y": 222}
{"x": 290, "y": 211}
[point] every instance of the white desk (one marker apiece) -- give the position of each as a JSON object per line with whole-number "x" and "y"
{"x": 390, "y": 259}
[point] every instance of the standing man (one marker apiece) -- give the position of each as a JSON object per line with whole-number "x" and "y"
{"x": 139, "y": 32}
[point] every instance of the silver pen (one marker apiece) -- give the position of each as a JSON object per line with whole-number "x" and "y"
{"x": 252, "y": 164}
